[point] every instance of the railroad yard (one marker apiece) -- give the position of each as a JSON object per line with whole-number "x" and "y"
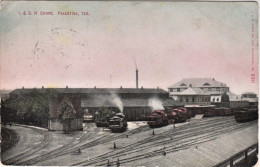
{"x": 197, "y": 142}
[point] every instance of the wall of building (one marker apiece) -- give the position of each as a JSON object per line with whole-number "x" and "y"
{"x": 54, "y": 103}
{"x": 72, "y": 124}
{"x": 194, "y": 99}
{"x": 137, "y": 113}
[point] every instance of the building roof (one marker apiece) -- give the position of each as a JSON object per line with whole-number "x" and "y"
{"x": 91, "y": 90}
{"x": 85, "y": 102}
{"x": 251, "y": 99}
{"x": 194, "y": 91}
{"x": 249, "y": 93}
{"x": 197, "y": 82}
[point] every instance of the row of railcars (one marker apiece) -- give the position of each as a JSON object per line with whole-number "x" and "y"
{"x": 245, "y": 115}
{"x": 160, "y": 118}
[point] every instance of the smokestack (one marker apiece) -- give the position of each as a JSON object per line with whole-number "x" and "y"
{"x": 136, "y": 78}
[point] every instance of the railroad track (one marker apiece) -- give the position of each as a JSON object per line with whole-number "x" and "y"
{"x": 72, "y": 148}
{"x": 43, "y": 143}
{"x": 142, "y": 145}
{"x": 7, "y": 140}
{"x": 163, "y": 135}
{"x": 181, "y": 145}
{"x": 158, "y": 137}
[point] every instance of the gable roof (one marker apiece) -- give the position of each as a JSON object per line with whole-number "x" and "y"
{"x": 194, "y": 91}
{"x": 91, "y": 90}
{"x": 248, "y": 93}
{"x": 198, "y": 82}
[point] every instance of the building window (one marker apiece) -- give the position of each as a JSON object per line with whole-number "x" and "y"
{"x": 171, "y": 90}
{"x": 217, "y": 99}
{"x": 180, "y": 99}
{"x": 193, "y": 99}
{"x": 218, "y": 89}
{"x": 187, "y": 99}
{"x": 210, "y": 89}
{"x": 178, "y": 89}
{"x": 206, "y": 84}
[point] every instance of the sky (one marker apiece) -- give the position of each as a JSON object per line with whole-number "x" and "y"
{"x": 167, "y": 40}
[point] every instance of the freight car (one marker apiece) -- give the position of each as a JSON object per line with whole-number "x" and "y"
{"x": 181, "y": 114}
{"x": 164, "y": 117}
{"x": 157, "y": 118}
{"x": 222, "y": 111}
{"x": 197, "y": 109}
{"x": 118, "y": 123}
{"x": 245, "y": 115}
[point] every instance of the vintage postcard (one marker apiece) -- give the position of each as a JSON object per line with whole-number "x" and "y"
{"x": 129, "y": 83}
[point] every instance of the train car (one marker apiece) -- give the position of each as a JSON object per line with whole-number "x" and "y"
{"x": 245, "y": 115}
{"x": 209, "y": 112}
{"x": 157, "y": 118}
{"x": 181, "y": 115}
{"x": 160, "y": 118}
{"x": 222, "y": 111}
{"x": 118, "y": 123}
{"x": 197, "y": 109}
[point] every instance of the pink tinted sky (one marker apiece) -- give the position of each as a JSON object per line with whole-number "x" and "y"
{"x": 169, "y": 40}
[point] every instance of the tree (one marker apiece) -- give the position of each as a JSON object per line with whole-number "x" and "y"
{"x": 66, "y": 113}
{"x": 34, "y": 109}
{"x": 104, "y": 114}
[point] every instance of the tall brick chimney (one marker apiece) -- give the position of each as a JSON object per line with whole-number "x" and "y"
{"x": 136, "y": 78}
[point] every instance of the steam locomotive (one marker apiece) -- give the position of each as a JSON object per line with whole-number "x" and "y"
{"x": 118, "y": 123}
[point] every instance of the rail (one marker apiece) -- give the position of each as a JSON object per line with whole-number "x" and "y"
{"x": 238, "y": 155}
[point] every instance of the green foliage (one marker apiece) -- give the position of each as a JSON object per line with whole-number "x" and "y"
{"x": 34, "y": 109}
{"x": 66, "y": 109}
{"x": 104, "y": 114}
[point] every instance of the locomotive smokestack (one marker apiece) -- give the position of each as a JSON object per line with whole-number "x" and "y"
{"x": 136, "y": 78}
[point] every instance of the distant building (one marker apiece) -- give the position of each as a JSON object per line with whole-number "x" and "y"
{"x": 209, "y": 85}
{"x": 236, "y": 101}
{"x": 252, "y": 98}
{"x": 193, "y": 96}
